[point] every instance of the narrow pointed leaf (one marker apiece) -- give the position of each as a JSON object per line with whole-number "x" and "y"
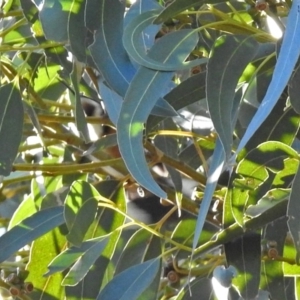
{"x": 137, "y": 8}
{"x": 288, "y": 56}
{"x": 135, "y": 48}
{"x": 107, "y": 50}
{"x": 84, "y": 263}
{"x": 215, "y": 171}
{"x": 229, "y": 57}
{"x": 174, "y": 8}
{"x": 29, "y": 230}
{"x": 244, "y": 254}
{"x": 81, "y": 123}
{"x": 132, "y": 282}
{"x": 11, "y": 125}
{"x": 68, "y": 257}
{"x": 78, "y": 35}
{"x": 80, "y": 191}
{"x": 139, "y": 101}
{"x": 84, "y": 218}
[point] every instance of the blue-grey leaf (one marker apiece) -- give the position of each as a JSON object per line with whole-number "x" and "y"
{"x": 130, "y": 284}
{"x": 135, "y": 48}
{"x": 107, "y": 50}
{"x": 140, "y": 6}
{"x": 84, "y": 263}
{"x": 139, "y": 101}
{"x": 30, "y": 229}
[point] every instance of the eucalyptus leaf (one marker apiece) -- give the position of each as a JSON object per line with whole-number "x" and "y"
{"x": 132, "y": 282}
{"x": 11, "y": 125}
{"x": 135, "y": 49}
{"x": 30, "y": 229}
{"x": 140, "y": 99}
{"x": 288, "y": 56}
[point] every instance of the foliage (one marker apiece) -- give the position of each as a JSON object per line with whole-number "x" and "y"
{"x": 194, "y": 94}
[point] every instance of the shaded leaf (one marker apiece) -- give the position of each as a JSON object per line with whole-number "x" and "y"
{"x": 11, "y": 125}
{"x": 80, "y": 210}
{"x": 131, "y": 283}
{"x": 141, "y": 247}
{"x": 244, "y": 254}
{"x": 84, "y": 263}
{"x": 107, "y": 50}
{"x": 54, "y": 18}
{"x": 84, "y": 219}
{"x": 228, "y": 59}
{"x": 294, "y": 91}
{"x": 30, "y": 229}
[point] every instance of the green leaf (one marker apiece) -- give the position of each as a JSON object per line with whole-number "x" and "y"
{"x": 271, "y": 199}
{"x": 11, "y": 125}
{"x": 228, "y": 59}
{"x": 293, "y": 211}
{"x": 136, "y": 50}
{"x": 140, "y": 99}
{"x": 131, "y": 283}
{"x": 80, "y": 210}
{"x": 29, "y": 229}
{"x": 26, "y": 208}
{"x": 46, "y": 288}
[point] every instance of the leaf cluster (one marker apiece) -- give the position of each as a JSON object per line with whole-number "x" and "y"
{"x": 197, "y": 124}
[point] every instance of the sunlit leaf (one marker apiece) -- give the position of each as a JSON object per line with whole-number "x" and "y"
{"x": 46, "y": 288}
